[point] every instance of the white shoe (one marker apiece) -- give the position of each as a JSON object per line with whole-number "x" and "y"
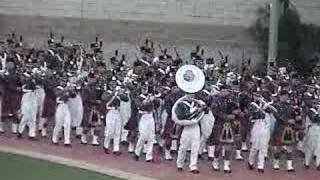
{"x": 215, "y": 164}
{"x": 244, "y": 146}
{"x": 83, "y": 139}
{"x": 14, "y": 128}
{"x": 290, "y": 166}
{"x": 226, "y": 167}
{"x": 95, "y": 141}
{"x": 238, "y": 155}
{"x": 54, "y": 140}
{"x": 276, "y": 164}
{"x": 67, "y": 142}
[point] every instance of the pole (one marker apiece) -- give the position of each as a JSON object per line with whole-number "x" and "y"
{"x": 273, "y": 33}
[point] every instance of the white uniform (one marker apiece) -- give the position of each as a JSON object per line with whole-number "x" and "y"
{"x": 146, "y": 134}
{"x": 113, "y": 129}
{"x": 312, "y": 144}
{"x": 76, "y": 110}
{"x": 190, "y": 138}
{"x": 207, "y": 123}
{"x": 125, "y": 113}
{"x": 29, "y": 113}
{"x": 62, "y": 120}
{"x": 40, "y": 95}
{"x": 260, "y": 137}
{"x": 1, "y": 122}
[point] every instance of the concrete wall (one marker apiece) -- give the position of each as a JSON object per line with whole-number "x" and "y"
{"x": 217, "y": 12}
{"x": 215, "y": 24}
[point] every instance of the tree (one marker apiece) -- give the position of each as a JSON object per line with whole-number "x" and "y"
{"x": 298, "y": 43}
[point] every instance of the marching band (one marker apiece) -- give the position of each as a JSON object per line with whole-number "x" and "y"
{"x": 209, "y": 110}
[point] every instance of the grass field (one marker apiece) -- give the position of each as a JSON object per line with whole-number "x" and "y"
{"x": 14, "y": 167}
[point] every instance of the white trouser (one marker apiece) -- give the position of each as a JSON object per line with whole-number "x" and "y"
{"x": 146, "y": 134}
{"x": 113, "y": 129}
{"x": 40, "y": 94}
{"x": 1, "y": 123}
{"x": 62, "y": 120}
{"x": 260, "y": 137}
{"x": 29, "y": 113}
{"x": 190, "y": 139}
{"x": 312, "y": 144}
{"x": 76, "y": 111}
{"x": 207, "y": 123}
{"x": 125, "y": 112}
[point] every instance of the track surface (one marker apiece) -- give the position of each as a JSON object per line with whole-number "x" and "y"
{"x": 161, "y": 169}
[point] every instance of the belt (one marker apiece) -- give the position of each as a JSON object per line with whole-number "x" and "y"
{"x": 112, "y": 108}
{"x": 144, "y": 112}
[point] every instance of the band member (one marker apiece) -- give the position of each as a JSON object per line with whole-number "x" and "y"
{"x": 2, "y": 90}
{"x": 283, "y": 136}
{"x": 12, "y": 98}
{"x": 40, "y": 95}
{"x": 187, "y": 113}
{"x": 113, "y": 128}
{"x": 28, "y": 108}
{"x": 125, "y": 112}
{"x": 312, "y": 138}
{"x": 146, "y": 124}
{"x": 76, "y": 108}
{"x": 207, "y": 122}
{"x": 62, "y": 117}
{"x": 261, "y": 117}
{"x": 224, "y": 110}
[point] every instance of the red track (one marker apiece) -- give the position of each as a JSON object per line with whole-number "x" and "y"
{"x": 161, "y": 170}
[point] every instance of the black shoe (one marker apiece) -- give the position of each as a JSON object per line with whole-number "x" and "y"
{"x": 33, "y": 138}
{"x": 180, "y": 169}
{"x": 261, "y": 170}
{"x": 124, "y": 143}
{"x": 117, "y": 153}
{"x": 106, "y": 151}
{"x": 200, "y": 156}
{"x": 136, "y": 157}
{"x": 169, "y": 159}
{"x": 1, "y": 132}
{"x": 210, "y": 159}
{"x": 150, "y": 161}
{"x": 196, "y": 171}
{"x": 78, "y": 136}
{"x": 250, "y": 166}
{"x": 291, "y": 170}
{"x": 306, "y": 166}
{"x": 19, "y": 136}
{"x": 67, "y": 145}
{"x": 227, "y": 171}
